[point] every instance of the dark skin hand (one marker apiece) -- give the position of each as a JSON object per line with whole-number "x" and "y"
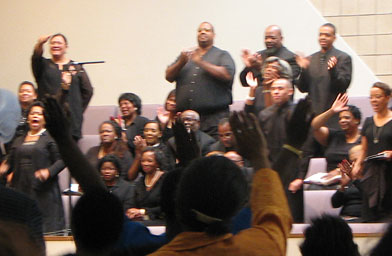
{"x": 249, "y": 138}
{"x": 186, "y": 143}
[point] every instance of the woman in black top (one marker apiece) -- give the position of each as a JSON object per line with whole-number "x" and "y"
{"x": 146, "y": 199}
{"x": 376, "y": 175}
{"x": 111, "y": 143}
{"x": 110, "y": 168}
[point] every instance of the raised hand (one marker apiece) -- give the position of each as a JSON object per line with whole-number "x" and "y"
{"x": 163, "y": 115}
{"x": 340, "y": 103}
{"x": 250, "y": 139}
{"x": 43, "y": 39}
{"x": 251, "y": 80}
{"x": 299, "y": 124}
{"x": 187, "y": 147}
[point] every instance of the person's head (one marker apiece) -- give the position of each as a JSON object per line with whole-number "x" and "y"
{"x": 328, "y": 235}
{"x": 170, "y": 103}
{"x": 152, "y": 160}
{"x": 225, "y": 134}
{"x": 211, "y": 191}
{"x": 205, "y": 35}
{"x": 235, "y": 157}
{"x": 109, "y": 166}
{"x": 350, "y": 119}
{"x": 152, "y": 132}
{"x": 354, "y": 153}
{"x": 35, "y": 116}
{"x": 109, "y": 131}
{"x": 130, "y": 104}
{"x": 281, "y": 91}
{"x": 27, "y": 93}
{"x": 273, "y": 37}
{"x": 327, "y": 35}
{"x": 191, "y": 120}
{"x": 97, "y": 222}
{"x": 380, "y": 93}
{"x": 275, "y": 67}
{"x": 58, "y": 45}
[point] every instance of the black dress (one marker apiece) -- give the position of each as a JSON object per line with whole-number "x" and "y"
{"x": 376, "y": 184}
{"x": 149, "y": 200}
{"x": 25, "y": 159}
{"x": 337, "y": 148}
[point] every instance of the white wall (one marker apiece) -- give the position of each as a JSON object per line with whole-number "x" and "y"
{"x": 139, "y": 38}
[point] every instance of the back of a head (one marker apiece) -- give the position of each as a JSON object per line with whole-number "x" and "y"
{"x": 384, "y": 245}
{"x": 329, "y": 236}
{"x": 211, "y": 191}
{"x": 97, "y": 221}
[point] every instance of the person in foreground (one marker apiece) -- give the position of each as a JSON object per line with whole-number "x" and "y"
{"x": 206, "y": 219}
{"x": 329, "y": 235}
{"x": 96, "y": 232}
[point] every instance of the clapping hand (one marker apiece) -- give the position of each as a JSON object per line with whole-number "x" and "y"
{"x": 301, "y": 60}
{"x": 332, "y": 62}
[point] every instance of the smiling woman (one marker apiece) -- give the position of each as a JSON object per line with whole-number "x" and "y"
{"x": 146, "y": 199}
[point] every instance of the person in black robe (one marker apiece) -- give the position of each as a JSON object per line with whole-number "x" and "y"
{"x": 59, "y": 76}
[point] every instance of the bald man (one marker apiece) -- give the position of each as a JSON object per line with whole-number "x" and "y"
{"x": 204, "y": 79}
{"x": 273, "y": 41}
{"x": 191, "y": 120}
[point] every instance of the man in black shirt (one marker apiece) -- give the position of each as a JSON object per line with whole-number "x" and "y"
{"x": 274, "y": 47}
{"x": 204, "y": 79}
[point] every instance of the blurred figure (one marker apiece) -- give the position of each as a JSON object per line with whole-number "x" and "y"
{"x": 375, "y": 174}
{"x": 109, "y": 167}
{"x": 111, "y": 143}
{"x": 166, "y": 116}
{"x": 131, "y": 121}
{"x": 59, "y": 76}
{"x": 191, "y": 120}
{"x": 273, "y": 40}
{"x": 34, "y": 163}
{"x": 226, "y": 137}
{"x": 27, "y": 94}
{"x": 329, "y": 235}
{"x": 204, "y": 78}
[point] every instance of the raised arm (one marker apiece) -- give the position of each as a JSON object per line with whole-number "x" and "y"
{"x": 59, "y": 128}
{"x": 321, "y": 132}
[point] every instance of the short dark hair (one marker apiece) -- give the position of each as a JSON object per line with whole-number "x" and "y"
{"x": 97, "y": 220}
{"x": 115, "y": 125}
{"x": 29, "y": 83}
{"x": 134, "y": 99}
{"x": 328, "y": 235}
{"x": 213, "y": 187}
{"x": 110, "y": 158}
{"x": 331, "y": 26}
{"x": 223, "y": 121}
{"x": 36, "y": 104}
{"x": 384, "y": 87}
{"x": 153, "y": 122}
{"x": 354, "y": 110}
{"x": 59, "y": 34}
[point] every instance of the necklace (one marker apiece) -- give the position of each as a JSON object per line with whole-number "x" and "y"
{"x": 37, "y": 134}
{"x": 376, "y": 133}
{"x": 153, "y": 180}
